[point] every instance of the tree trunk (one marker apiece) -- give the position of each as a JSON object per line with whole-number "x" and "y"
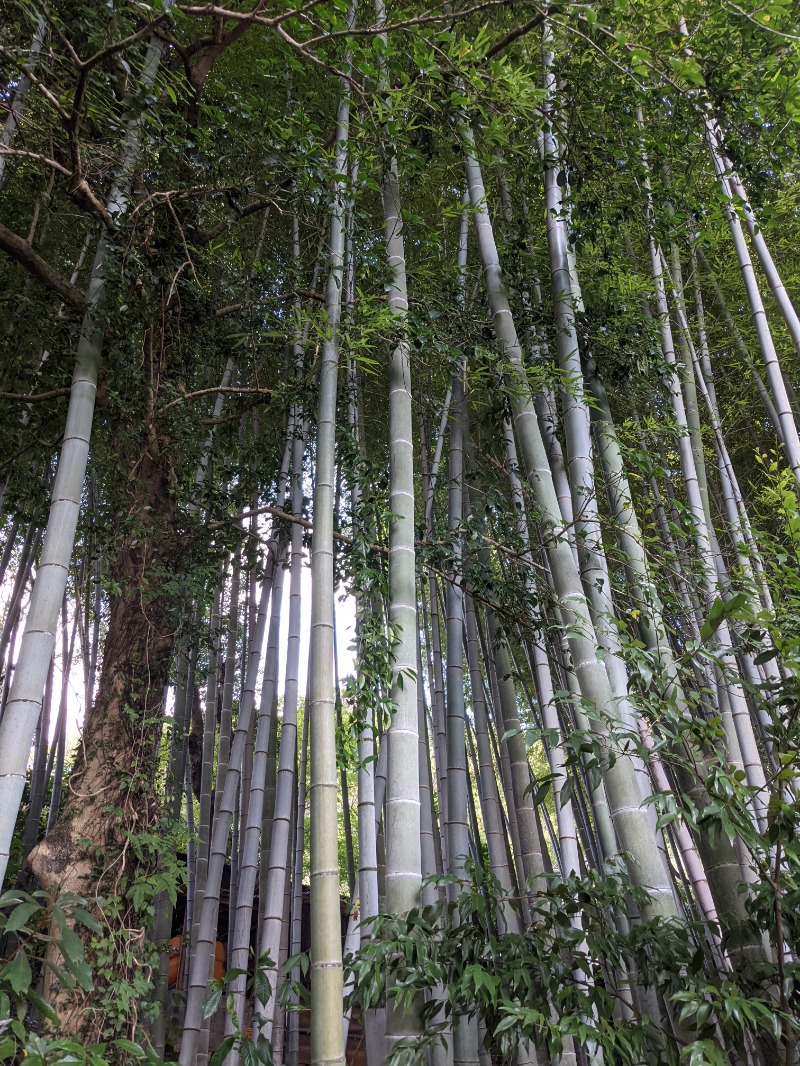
{"x": 112, "y": 787}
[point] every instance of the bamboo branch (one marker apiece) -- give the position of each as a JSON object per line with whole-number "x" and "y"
{"x": 344, "y": 539}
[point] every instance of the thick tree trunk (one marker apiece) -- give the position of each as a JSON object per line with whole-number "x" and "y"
{"x": 38, "y": 638}
{"x": 112, "y": 787}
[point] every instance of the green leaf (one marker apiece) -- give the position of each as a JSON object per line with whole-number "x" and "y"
{"x": 221, "y": 1053}
{"x": 249, "y": 1054}
{"x": 80, "y": 970}
{"x": 18, "y": 918}
{"x": 80, "y": 914}
{"x": 8, "y": 1047}
{"x": 130, "y": 1047}
{"x": 18, "y": 973}
{"x": 766, "y": 656}
{"x": 688, "y": 68}
{"x": 42, "y": 1006}
{"x": 261, "y": 985}
{"x": 720, "y": 611}
{"x": 71, "y": 945}
{"x": 213, "y": 1000}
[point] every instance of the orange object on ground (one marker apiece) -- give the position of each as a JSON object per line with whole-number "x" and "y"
{"x": 219, "y": 960}
{"x": 175, "y": 970}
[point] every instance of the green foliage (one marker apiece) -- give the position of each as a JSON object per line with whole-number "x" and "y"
{"x": 119, "y": 956}
{"x": 254, "y": 1051}
{"x": 565, "y": 977}
{"x": 40, "y": 938}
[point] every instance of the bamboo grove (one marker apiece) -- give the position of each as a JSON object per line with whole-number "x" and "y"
{"x": 475, "y": 322}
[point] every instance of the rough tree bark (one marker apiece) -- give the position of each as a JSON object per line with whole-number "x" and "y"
{"x": 112, "y": 787}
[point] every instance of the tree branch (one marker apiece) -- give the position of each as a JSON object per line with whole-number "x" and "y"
{"x": 35, "y": 155}
{"x": 126, "y": 42}
{"x": 33, "y": 397}
{"x": 46, "y": 93}
{"x": 83, "y": 195}
{"x": 515, "y": 35}
{"x": 205, "y": 392}
{"x": 20, "y": 251}
{"x": 205, "y": 236}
